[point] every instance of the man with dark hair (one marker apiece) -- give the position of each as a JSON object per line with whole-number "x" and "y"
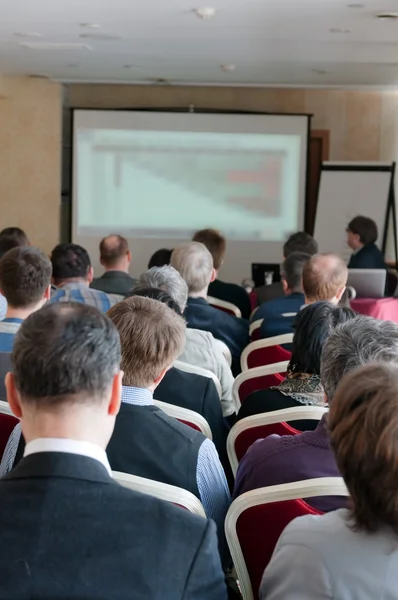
{"x": 25, "y": 282}
{"x": 115, "y": 257}
{"x": 66, "y": 390}
{"x": 278, "y": 315}
{"x": 72, "y": 274}
{"x": 10, "y": 237}
{"x": 229, "y": 292}
{"x": 361, "y": 238}
{"x": 297, "y": 242}
{"x": 160, "y": 258}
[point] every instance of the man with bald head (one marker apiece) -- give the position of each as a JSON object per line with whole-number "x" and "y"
{"x": 324, "y": 278}
{"x": 115, "y": 257}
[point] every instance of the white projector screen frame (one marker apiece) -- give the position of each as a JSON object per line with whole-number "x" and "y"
{"x": 240, "y": 254}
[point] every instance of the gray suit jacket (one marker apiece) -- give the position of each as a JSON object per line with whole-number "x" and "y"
{"x": 269, "y": 292}
{"x": 114, "y": 282}
{"x": 321, "y": 557}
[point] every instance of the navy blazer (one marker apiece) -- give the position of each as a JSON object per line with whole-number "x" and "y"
{"x": 231, "y": 292}
{"x": 67, "y": 529}
{"x": 199, "y": 314}
{"x": 274, "y": 323}
{"x": 368, "y": 257}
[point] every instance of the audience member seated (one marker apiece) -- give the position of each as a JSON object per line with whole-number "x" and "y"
{"x": 195, "y": 264}
{"x": 350, "y": 553}
{"x": 302, "y": 386}
{"x": 229, "y": 292}
{"x": 324, "y": 279}
{"x": 200, "y": 349}
{"x": 10, "y": 237}
{"x": 275, "y": 460}
{"x": 68, "y": 528}
{"x": 161, "y": 258}
{"x": 279, "y": 314}
{"x": 25, "y": 282}
{"x": 297, "y": 242}
{"x": 115, "y": 257}
{"x": 72, "y": 274}
{"x": 361, "y": 238}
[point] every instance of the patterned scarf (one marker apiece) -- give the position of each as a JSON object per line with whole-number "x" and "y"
{"x": 302, "y": 387}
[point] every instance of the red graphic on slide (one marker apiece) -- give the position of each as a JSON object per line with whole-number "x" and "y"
{"x": 268, "y": 179}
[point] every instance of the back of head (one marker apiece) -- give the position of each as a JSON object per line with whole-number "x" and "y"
{"x": 300, "y": 242}
{"x": 168, "y": 279}
{"x": 12, "y": 237}
{"x": 152, "y": 336}
{"x": 313, "y": 326}
{"x": 160, "y": 258}
{"x": 69, "y": 261}
{"x": 195, "y": 264}
{"x": 365, "y": 228}
{"x": 214, "y": 242}
{"x": 65, "y": 354}
{"x": 356, "y": 343}
{"x": 324, "y": 278}
{"x": 114, "y": 249}
{"x": 292, "y": 270}
{"x": 25, "y": 275}
{"x": 363, "y": 425}
{"x": 156, "y": 294}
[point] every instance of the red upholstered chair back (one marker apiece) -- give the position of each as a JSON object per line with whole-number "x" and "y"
{"x": 190, "y": 424}
{"x": 227, "y": 307}
{"x": 7, "y": 424}
{"x": 247, "y": 437}
{"x": 262, "y": 382}
{"x": 267, "y": 356}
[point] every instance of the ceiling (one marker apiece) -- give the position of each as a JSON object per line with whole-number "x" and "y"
{"x": 270, "y": 42}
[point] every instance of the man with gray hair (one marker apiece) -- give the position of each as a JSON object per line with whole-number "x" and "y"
{"x": 200, "y": 348}
{"x": 195, "y": 264}
{"x": 285, "y": 459}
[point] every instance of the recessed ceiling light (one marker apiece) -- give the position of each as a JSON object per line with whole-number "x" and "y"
{"x": 356, "y": 5}
{"x": 228, "y": 68}
{"x": 387, "y": 16}
{"x": 100, "y": 36}
{"x": 127, "y": 66}
{"x": 27, "y": 34}
{"x": 319, "y": 71}
{"x": 339, "y": 30}
{"x": 72, "y": 65}
{"x": 91, "y": 25}
{"x": 205, "y": 12}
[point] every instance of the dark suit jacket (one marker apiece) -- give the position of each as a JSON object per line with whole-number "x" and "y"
{"x": 268, "y": 292}
{"x": 231, "y": 292}
{"x": 231, "y": 330}
{"x": 69, "y": 531}
{"x": 114, "y": 282}
{"x": 274, "y": 323}
{"x": 368, "y": 257}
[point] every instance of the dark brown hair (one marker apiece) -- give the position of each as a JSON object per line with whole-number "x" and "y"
{"x": 25, "y": 274}
{"x": 112, "y": 249}
{"x": 12, "y": 237}
{"x": 214, "y": 242}
{"x": 363, "y": 425}
{"x": 364, "y": 227}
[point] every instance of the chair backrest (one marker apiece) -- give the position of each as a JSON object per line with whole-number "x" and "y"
{"x": 259, "y": 378}
{"x": 163, "y": 491}
{"x": 7, "y": 424}
{"x": 5, "y": 367}
{"x": 256, "y": 520}
{"x": 189, "y": 417}
{"x": 266, "y": 352}
{"x": 250, "y": 429}
{"x": 227, "y": 307}
{"x": 254, "y": 329}
{"x": 188, "y": 368}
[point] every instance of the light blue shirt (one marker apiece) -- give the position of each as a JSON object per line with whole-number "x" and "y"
{"x": 76, "y": 291}
{"x": 8, "y": 330}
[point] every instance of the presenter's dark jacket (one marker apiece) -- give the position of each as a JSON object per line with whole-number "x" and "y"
{"x": 114, "y": 282}
{"x": 232, "y": 331}
{"x": 69, "y": 531}
{"x": 231, "y": 292}
{"x": 368, "y": 257}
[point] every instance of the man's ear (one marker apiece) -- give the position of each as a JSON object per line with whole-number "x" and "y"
{"x": 101, "y": 261}
{"x": 129, "y": 256}
{"x": 162, "y": 374}
{"x": 47, "y": 294}
{"x": 116, "y": 394}
{"x": 90, "y": 274}
{"x": 284, "y": 285}
{"x": 340, "y": 293}
{"x": 12, "y": 395}
{"x": 213, "y": 275}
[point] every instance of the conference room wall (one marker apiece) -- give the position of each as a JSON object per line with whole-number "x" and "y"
{"x": 30, "y": 157}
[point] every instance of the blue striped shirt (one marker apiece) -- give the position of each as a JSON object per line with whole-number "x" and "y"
{"x": 78, "y": 291}
{"x": 8, "y": 330}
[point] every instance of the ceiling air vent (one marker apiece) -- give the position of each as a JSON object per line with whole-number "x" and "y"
{"x": 55, "y": 46}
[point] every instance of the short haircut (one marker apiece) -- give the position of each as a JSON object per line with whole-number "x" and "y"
{"x": 156, "y": 294}
{"x": 65, "y": 352}
{"x": 160, "y": 258}
{"x": 355, "y": 343}
{"x": 300, "y": 242}
{"x": 363, "y": 425}
{"x": 214, "y": 242}
{"x": 152, "y": 337}
{"x": 195, "y": 264}
{"x": 12, "y": 237}
{"x": 112, "y": 249}
{"x": 168, "y": 279}
{"x": 323, "y": 276}
{"x": 292, "y": 269}
{"x": 313, "y": 325}
{"x": 70, "y": 261}
{"x": 25, "y": 274}
{"x": 364, "y": 227}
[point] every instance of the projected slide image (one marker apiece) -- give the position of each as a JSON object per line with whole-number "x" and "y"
{"x": 168, "y": 184}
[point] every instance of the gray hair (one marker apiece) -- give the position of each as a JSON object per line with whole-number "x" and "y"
{"x": 355, "y": 343}
{"x": 195, "y": 264}
{"x": 167, "y": 279}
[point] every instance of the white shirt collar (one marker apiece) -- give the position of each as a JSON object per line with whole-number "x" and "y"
{"x": 70, "y": 447}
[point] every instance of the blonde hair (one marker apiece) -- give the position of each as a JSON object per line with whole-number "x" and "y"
{"x": 195, "y": 264}
{"x": 324, "y": 275}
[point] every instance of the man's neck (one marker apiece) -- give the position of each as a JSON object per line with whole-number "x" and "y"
{"x": 202, "y": 294}
{"x": 71, "y": 280}
{"x": 120, "y": 268}
{"x": 19, "y": 313}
